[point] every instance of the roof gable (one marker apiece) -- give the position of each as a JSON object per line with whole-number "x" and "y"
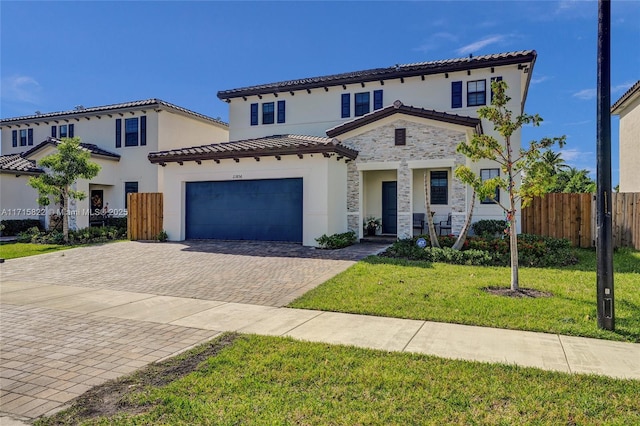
{"x": 393, "y": 72}
{"x": 94, "y": 150}
{"x": 399, "y": 108}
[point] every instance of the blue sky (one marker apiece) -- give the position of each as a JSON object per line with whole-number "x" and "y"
{"x": 56, "y": 55}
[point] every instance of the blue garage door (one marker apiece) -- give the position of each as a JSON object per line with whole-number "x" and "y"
{"x": 261, "y": 210}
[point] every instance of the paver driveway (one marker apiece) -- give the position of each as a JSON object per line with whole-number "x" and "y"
{"x": 54, "y": 346}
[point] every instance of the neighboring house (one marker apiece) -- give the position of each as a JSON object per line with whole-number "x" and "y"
{"x": 317, "y": 155}
{"x": 17, "y": 198}
{"x": 628, "y": 108}
{"x": 119, "y": 138}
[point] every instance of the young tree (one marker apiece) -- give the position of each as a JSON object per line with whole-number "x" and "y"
{"x": 433, "y": 237}
{"x": 524, "y": 161}
{"x": 63, "y": 169}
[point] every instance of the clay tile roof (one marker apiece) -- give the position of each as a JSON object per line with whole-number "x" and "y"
{"x": 153, "y": 102}
{"x": 16, "y": 164}
{"x": 275, "y": 145}
{"x": 628, "y": 95}
{"x": 399, "y": 108}
{"x": 93, "y": 149}
{"x": 396, "y": 71}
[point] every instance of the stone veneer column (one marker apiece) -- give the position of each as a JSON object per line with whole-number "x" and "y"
{"x": 353, "y": 198}
{"x": 405, "y": 220}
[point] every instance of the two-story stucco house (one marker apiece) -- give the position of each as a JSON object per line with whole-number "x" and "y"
{"x": 318, "y": 155}
{"x": 628, "y": 108}
{"x": 119, "y": 138}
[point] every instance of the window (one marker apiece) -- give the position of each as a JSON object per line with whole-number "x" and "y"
{"x": 118, "y": 132}
{"x": 346, "y": 105}
{"x": 401, "y": 137}
{"x": 254, "y": 114}
{"x": 129, "y": 188}
{"x": 492, "y": 80}
{"x": 281, "y": 116}
{"x": 361, "y": 101}
{"x": 456, "y": 94}
{"x": 23, "y": 137}
{"x": 62, "y": 131}
{"x": 439, "y": 187}
{"x": 131, "y": 131}
{"x": 476, "y": 93}
{"x": 486, "y": 174}
{"x": 267, "y": 113}
{"x": 377, "y": 99}
{"x": 14, "y": 138}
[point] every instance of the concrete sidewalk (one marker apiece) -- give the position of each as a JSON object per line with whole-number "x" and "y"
{"x": 184, "y": 322}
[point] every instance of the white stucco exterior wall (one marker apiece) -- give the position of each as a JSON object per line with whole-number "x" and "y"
{"x": 324, "y": 189}
{"x": 18, "y": 200}
{"x": 630, "y": 147}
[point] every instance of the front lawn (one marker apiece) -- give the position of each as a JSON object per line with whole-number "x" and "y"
{"x": 271, "y": 380}
{"x": 454, "y": 293}
{"x": 15, "y": 250}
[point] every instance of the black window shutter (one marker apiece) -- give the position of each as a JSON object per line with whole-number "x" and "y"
{"x": 71, "y": 130}
{"x": 499, "y": 78}
{"x": 14, "y": 136}
{"x": 53, "y": 131}
{"x": 118, "y": 132}
{"x": 346, "y": 105}
{"x": 281, "y": 112}
{"x": 143, "y": 130}
{"x": 254, "y": 114}
{"x": 377, "y": 99}
{"x": 29, "y": 136}
{"x": 456, "y": 94}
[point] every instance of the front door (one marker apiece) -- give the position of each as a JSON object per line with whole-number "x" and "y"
{"x": 389, "y": 207}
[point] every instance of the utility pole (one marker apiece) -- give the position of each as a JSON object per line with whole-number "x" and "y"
{"x": 604, "y": 246}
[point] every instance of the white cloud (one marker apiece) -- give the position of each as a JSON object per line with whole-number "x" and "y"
{"x": 477, "y": 45}
{"x": 620, "y": 88}
{"x": 436, "y": 40}
{"x": 20, "y": 88}
{"x": 578, "y": 123}
{"x": 571, "y": 155}
{"x": 540, "y": 79}
{"x": 585, "y": 94}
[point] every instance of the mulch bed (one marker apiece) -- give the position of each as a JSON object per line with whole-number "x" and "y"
{"x": 523, "y": 292}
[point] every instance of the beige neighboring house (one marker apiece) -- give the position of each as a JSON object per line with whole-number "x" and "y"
{"x": 318, "y": 155}
{"x": 119, "y": 138}
{"x": 628, "y": 108}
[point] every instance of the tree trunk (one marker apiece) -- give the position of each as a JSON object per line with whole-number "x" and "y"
{"x": 513, "y": 239}
{"x": 65, "y": 215}
{"x": 467, "y": 224}
{"x": 433, "y": 238}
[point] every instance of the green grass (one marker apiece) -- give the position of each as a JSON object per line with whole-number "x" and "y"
{"x": 454, "y": 293}
{"x": 15, "y": 250}
{"x": 271, "y": 380}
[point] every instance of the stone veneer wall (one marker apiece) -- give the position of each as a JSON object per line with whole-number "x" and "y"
{"x": 424, "y": 142}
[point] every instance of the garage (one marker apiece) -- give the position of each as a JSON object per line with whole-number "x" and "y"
{"x": 259, "y": 210}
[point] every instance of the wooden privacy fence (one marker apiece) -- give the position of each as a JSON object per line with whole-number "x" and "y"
{"x": 144, "y": 216}
{"x": 573, "y": 216}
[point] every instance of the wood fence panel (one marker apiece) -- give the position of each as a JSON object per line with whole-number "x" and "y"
{"x": 573, "y": 216}
{"x": 145, "y": 216}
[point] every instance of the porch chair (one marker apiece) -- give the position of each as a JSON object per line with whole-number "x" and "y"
{"x": 418, "y": 222}
{"x": 445, "y": 224}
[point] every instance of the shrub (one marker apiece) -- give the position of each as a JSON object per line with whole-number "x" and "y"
{"x": 14, "y": 227}
{"x": 533, "y": 250}
{"x": 489, "y": 227}
{"x": 117, "y": 222}
{"x": 81, "y": 236}
{"x": 337, "y": 241}
{"x": 162, "y": 236}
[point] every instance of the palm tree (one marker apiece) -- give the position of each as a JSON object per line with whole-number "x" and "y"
{"x": 554, "y": 161}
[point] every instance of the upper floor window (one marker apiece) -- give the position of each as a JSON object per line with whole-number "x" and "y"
{"x": 24, "y": 136}
{"x": 267, "y": 113}
{"x": 476, "y": 93}
{"x": 135, "y": 131}
{"x": 456, "y": 94}
{"x": 439, "y": 187}
{"x": 63, "y": 131}
{"x": 361, "y": 101}
{"x": 486, "y": 174}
